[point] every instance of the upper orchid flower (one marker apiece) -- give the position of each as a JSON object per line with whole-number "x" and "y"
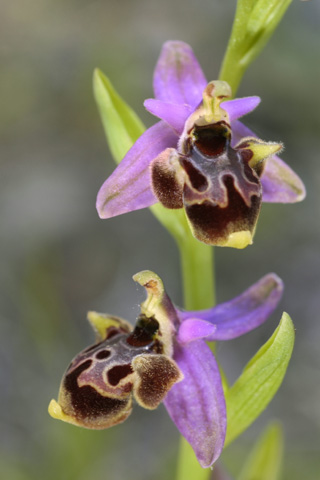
{"x": 163, "y": 358}
{"x": 200, "y": 157}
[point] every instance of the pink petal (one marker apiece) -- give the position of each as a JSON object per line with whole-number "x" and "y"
{"x": 240, "y": 106}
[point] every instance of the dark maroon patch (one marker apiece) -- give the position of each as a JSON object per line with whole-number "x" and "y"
{"x": 166, "y": 187}
{"x": 211, "y": 140}
{"x": 118, "y": 372}
{"x": 144, "y": 331}
{"x": 246, "y": 154}
{"x": 86, "y": 401}
{"x": 198, "y": 181}
{"x": 103, "y": 354}
{"x": 113, "y": 331}
{"x": 212, "y": 223}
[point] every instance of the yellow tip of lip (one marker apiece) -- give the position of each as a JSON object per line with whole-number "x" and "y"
{"x": 239, "y": 240}
{"x": 55, "y": 410}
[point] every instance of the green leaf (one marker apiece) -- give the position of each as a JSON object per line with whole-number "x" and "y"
{"x": 260, "y": 380}
{"x": 121, "y": 124}
{"x": 265, "y": 459}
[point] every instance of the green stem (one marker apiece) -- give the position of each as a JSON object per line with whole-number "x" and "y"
{"x": 197, "y": 274}
{"x": 199, "y": 293}
{"x": 233, "y": 67}
{"x": 254, "y": 24}
{"x": 196, "y": 259}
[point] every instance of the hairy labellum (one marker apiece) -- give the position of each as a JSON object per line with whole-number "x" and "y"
{"x": 97, "y": 388}
{"x": 163, "y": 358}
{"x": 218, "y": 185}
{"x": 199, "y": 157}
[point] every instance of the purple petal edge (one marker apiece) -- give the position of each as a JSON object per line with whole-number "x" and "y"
{"x": 243, "y": 313}
{"x": 240, "y": 106}
{"x": 197, "y": 404}
{"x": 175, "y": 115}
{"x": 178, "y": 77}
{"x": 280, "y": 184}
{"x": 129, "y": 186}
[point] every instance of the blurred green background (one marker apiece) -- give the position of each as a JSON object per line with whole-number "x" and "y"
{"x": 58, "y": 260}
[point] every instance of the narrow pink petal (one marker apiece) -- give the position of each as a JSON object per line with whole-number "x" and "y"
{"x": 178, "y": 77}
{"x": 175, "y": 115}
{"x": 128, "y": 188}
{"x": 280, "y": 183}
{"x": 239, "y": 315}
{"x": 240, "y": 106}
{"x": 194, "y": 328}
{"x": 196, "y": 404}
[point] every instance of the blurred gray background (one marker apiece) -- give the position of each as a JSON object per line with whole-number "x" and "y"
{"x": 58, "y": 260}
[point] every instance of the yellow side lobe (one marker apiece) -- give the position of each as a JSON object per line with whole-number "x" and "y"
{"x": 100, "y": 322}
{"x": 262, "y": 150}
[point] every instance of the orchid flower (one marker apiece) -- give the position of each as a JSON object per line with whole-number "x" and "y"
{"x": 163, "y": 358}
{"x": 200, "y": 157}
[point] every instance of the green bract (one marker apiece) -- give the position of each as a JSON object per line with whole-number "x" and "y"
{"x": 121, "y": 125}
{"x": 254, "y": 23}
{"x": 260, "y": 380}
{"x": 265, "y": 459}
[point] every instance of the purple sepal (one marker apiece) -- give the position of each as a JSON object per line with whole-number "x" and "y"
{"x": 129, "y": 186}
{"x": 280, "y": 184}
{"x": 174, "y": 114}
{"x": 178, "y": 77}
{"x": 240, "y": 106}
{"x": 196, "y": 404}
{"x": 237, "y": 316}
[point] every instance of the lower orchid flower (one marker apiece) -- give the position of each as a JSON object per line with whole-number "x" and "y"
{"x": 200, "y": 157}
{"x": 163, "y": 358}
